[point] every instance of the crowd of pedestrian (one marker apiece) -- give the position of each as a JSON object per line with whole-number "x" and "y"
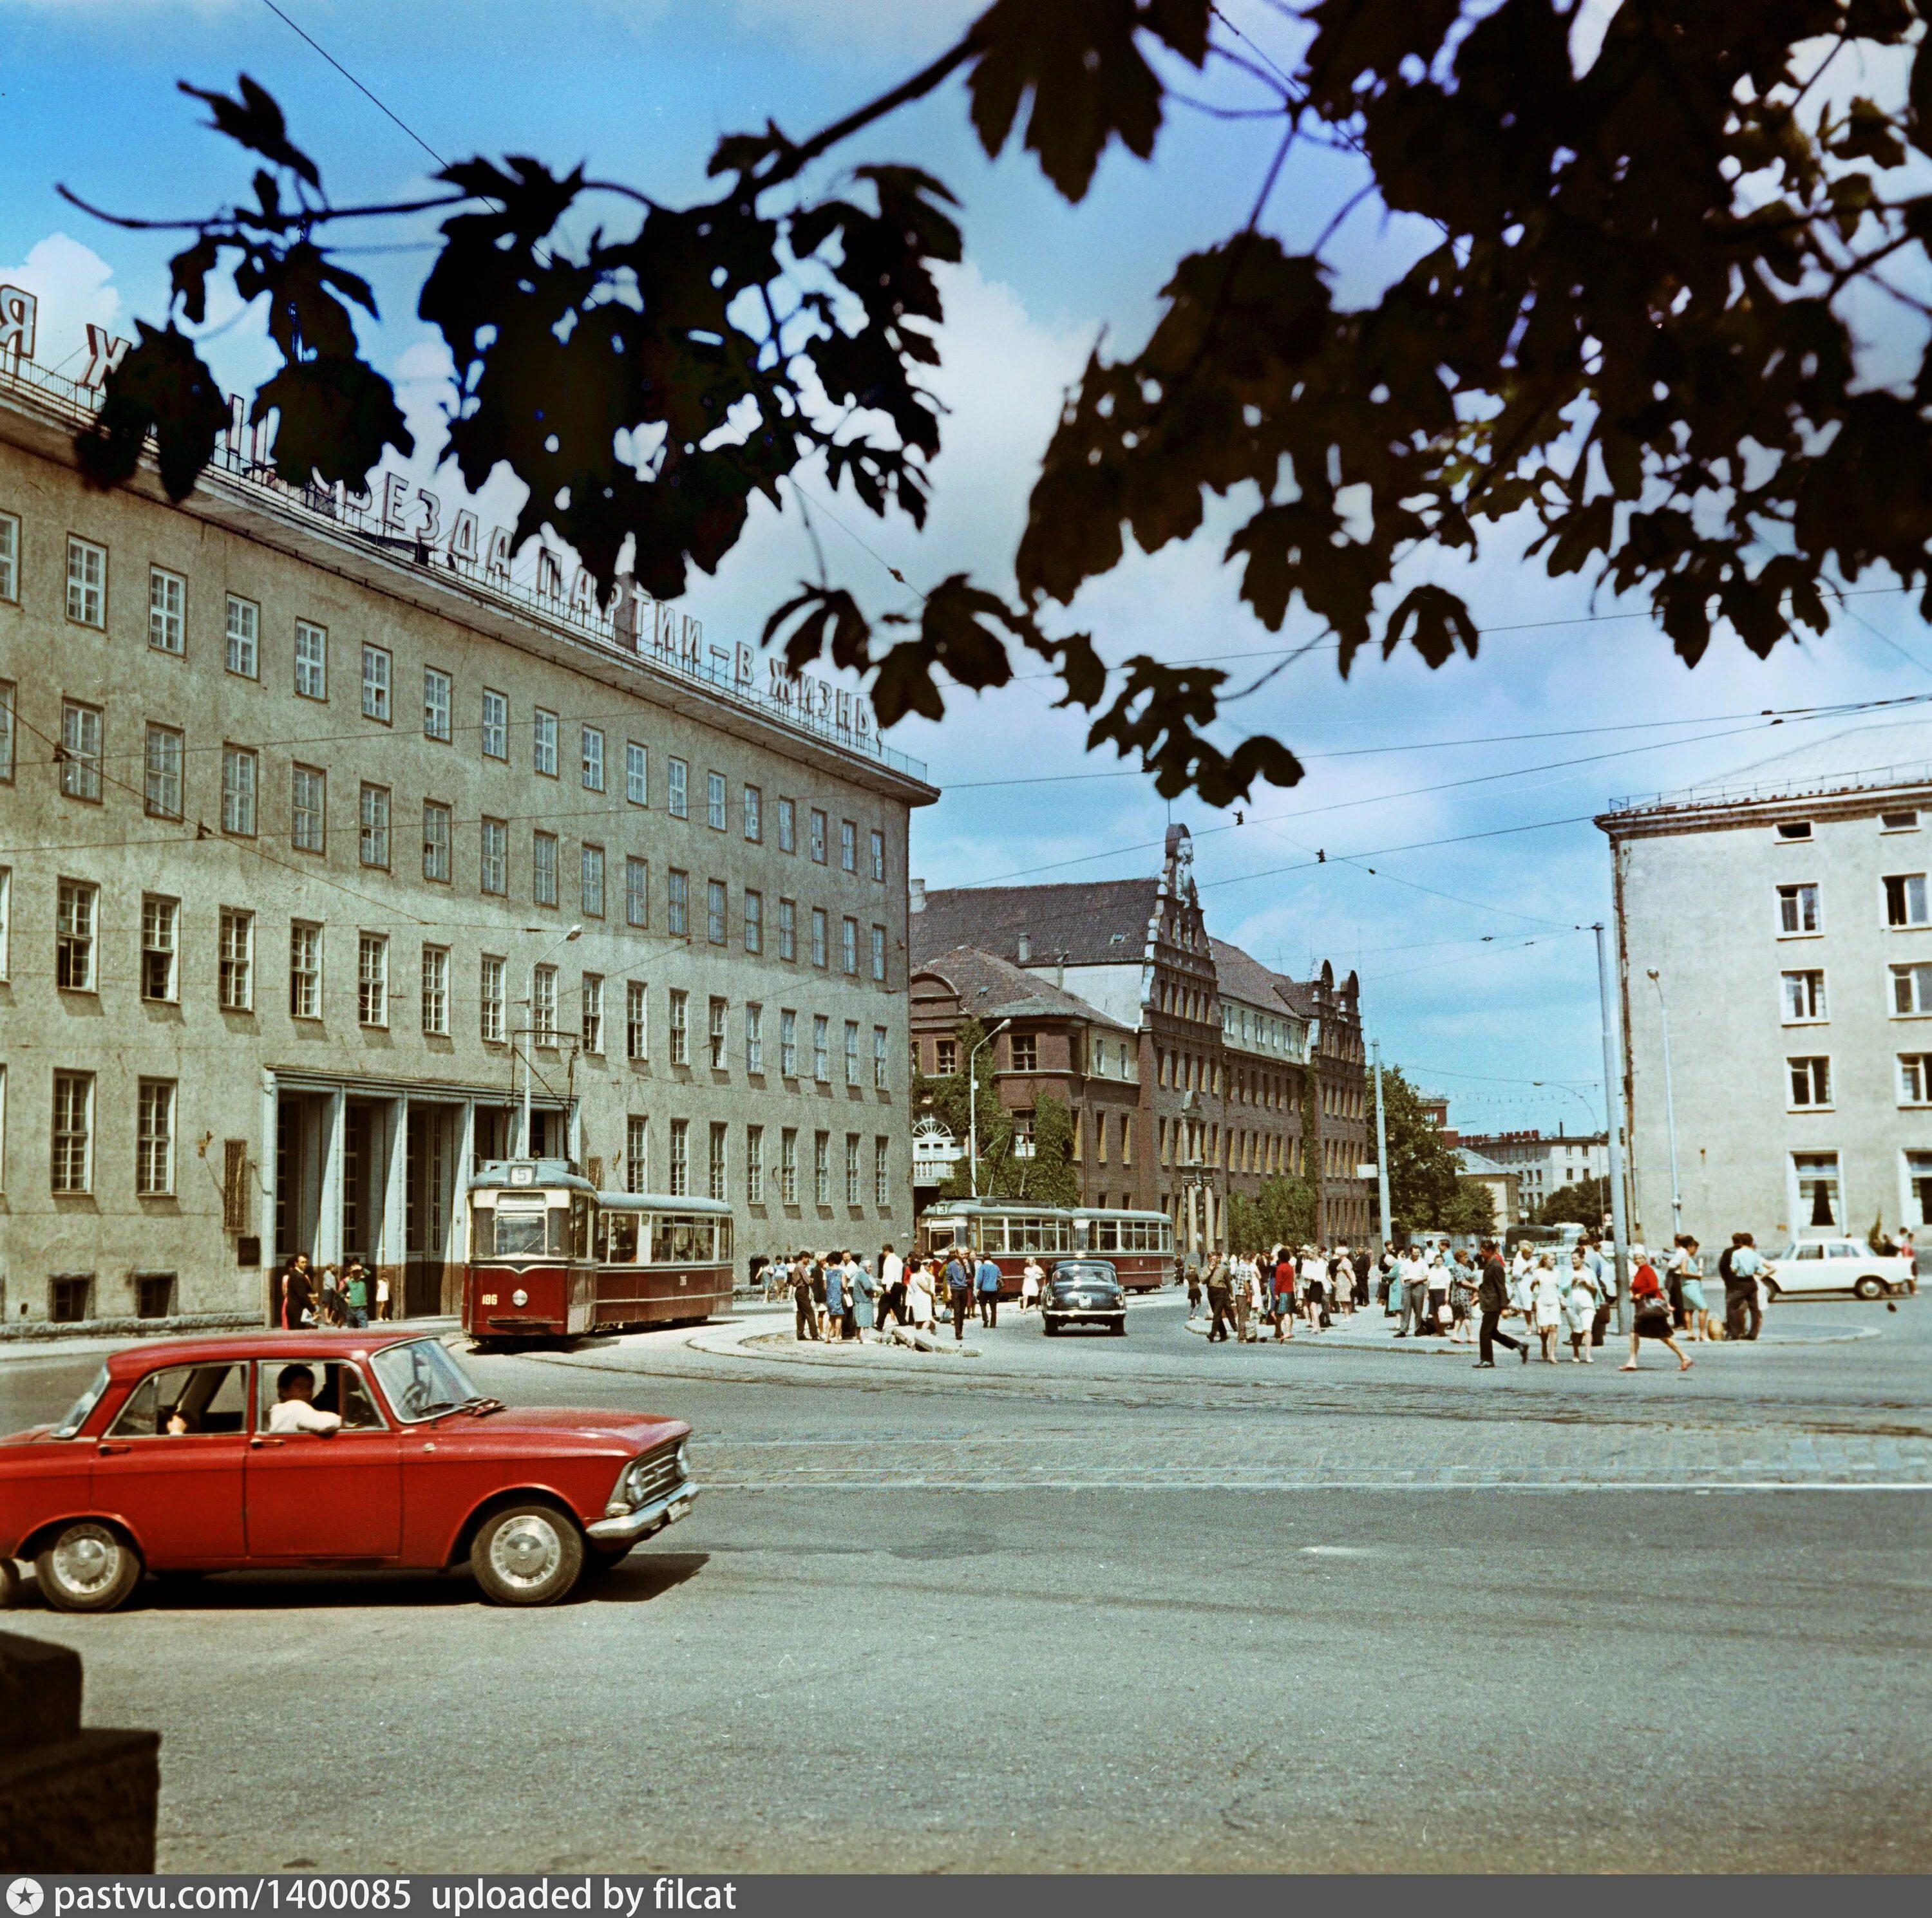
{"x": 339, "y": 1298}
{"x": 836, "y": 1296}
{"x": 1251, "y": 1295}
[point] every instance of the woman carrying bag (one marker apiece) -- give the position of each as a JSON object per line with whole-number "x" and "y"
{"x": 1653, "y": 1316}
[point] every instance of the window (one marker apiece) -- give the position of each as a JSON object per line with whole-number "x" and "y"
{"x": 154, "y": 1138}
{"x": 879, "y": 1058}
{"x": 848, "y": 845}
{"x": 167, "y": 609}
{"x": 787, "y": 929}
{"x": 680, "y": 1028}
{"x": 495, "y": 856}
{"x": 848, "y": 948}
{"x": 308, "y": 791}
{"x": 787, "y": 827}
{"x": 1915, "y": 1078}
{"x": 1795, "y": 829}
{"x": 495, "y": 725}
{"x": 879, "y": 860}
{"x": 435, "y": 842}
{"x": 1024, "y": 1050}
{"x": 821, "y": 1048}
{"x": 73, "y": 1132}
{"x": 714, "y": 801}
{"x": 6, "y": 697}
{"x": 717, "y": 1033}
{"x": 593, "y": 759}
{"x": 1804, "y": 997}
{"x": 372, "y": 979}
{"x": 244, "y": 627}
{"x": 851, "y": 1052}
{"x": 436, "y": 705}
{"x": 591, "y": 1026}
{"x": 1905, "y": 900}
{"x": 75, "y": 902}
{"x": 637, "y": 1153}
{"x": 637, "y": 773}
{"x": 238, "y": 791}
{"x": 754, "y": 829}
{"x": 69, "y": 1298}
{"x": 86, "y": 581}
{"x": 677, "y": 801}
{"x": 311, "y": 660}
{"x": 818, "y": 836}
{"x": 1898, "y": 822}
{"x": 852, "y": 1169}
{"x": 160, "y": 938}
{"x": 945, "y": 1056}
{"x": 163, "y": 773}
{"x": 1810, "y": 1081}
{"x": 882, "y": 1168}
{"x": 80, "y": 750}
{"x": 754, "y": 920}
{"x": 637, "y": 892}
{"x": 374, "y": 813}
{"x": 1797, "y": 910}
{"x": 879, "y": 953}
{"x": 436, "y": 990}
{"x": 1815, "y": 1176}
{"x": 680, "y": 1157}
{"x": 590, "y": 876}
{"x": 754, "y": 1038}
{"x": 492, "y": 994}
{"x": 543, "y": 742}
{"x": 788, "y": 1043}
{"x": 788, "y": 1166}
{"x": 1912, "y": 989}
{"x": 754, "y": 1165}
{"x": 637, "y": 1021}
{"x": 376, "y": 664}
{"x": 678, "y": 903}
{"x": 154, "y": 1295}
{"x": 543, "y": 868}
{"x": 821, "y": 1168}
{"x": 714, "y": 1168}
{"x": 10, "y": 557}
{"x": 305, "y": 970}
{"x": 543, "y": 1005}
{"x": 234, "y": 984}
{"x": 714, "y": 911}
{"x": 818, "y": 935}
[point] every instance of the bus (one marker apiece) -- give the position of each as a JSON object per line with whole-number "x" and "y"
{"x": 551, "y": 1256}
{"x": 1139, "y": 1245}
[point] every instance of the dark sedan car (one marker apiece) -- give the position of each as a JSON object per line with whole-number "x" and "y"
{"x": 1083, "y": 1292}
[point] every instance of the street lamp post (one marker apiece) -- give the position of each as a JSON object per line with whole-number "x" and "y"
{"x": 1613, "y": 1115}
{"x": 1381, "y": 1152}
{"x": 1669, "y": 1112}
{"x": 530, "y": 1029}
{"x": 972, "y": 1102}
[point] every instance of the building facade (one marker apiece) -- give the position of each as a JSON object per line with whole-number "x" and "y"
{"x": 323, "y": 852}
{"x": 1543, "y": 1166}
{"x": 1785, "y": 915}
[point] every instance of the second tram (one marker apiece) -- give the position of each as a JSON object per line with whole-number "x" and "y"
{"x": 1138, "y": 1245}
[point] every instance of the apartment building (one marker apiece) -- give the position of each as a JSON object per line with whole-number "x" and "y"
{"x": 1785, "y": 913}
{"x": 1543, "y": 1165}
{"x": 320, "y": 849}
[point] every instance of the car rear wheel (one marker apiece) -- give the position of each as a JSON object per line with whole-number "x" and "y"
{"x": 1121, "y": 1330}
{"x": 1870, "y": 1287}
{"x": 527, "y": 1555}
{"x": 88, "y": 1567}
{"x": 1050, "y": 1326}
{"x": 1772, "y": 1290}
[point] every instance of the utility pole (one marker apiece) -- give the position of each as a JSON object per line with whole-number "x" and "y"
{"x": 1381, "y": 1152}
{"x": 1669, "y": 1113}
{"x": 529, "y": 1035}
{"x": 972, "y": 1102}
{"x": 1613, "y": 1114}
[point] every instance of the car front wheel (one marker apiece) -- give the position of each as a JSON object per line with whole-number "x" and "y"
{"x": 88, "y": 1567}
{"x": 1870, "y": 1287}
{"x": 527, "y": 1555}
{"x": 1050, "y": 1326}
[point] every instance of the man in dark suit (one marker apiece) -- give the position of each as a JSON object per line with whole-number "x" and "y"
{"x": 1491, "y": 1296}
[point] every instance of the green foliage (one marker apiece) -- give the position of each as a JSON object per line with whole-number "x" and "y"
{"x": 1426, "y": 1189}
{"x": 1583, "y": 1204}
{"x": 1049, "y": 1178}
{"x": 1629, "y": 329}
{"x": 1473, "y": 1210}
{"x": 1282, "y": 1213}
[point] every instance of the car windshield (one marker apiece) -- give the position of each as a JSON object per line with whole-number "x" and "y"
{"x": 77, "y": 1412}
{"x": 1092, "y": 1276}
{"x": 420, "y": 1379}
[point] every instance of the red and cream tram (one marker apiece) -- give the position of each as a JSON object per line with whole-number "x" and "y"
{"x": 1139, "y": 1245}
{"x": 550, "y": 1257}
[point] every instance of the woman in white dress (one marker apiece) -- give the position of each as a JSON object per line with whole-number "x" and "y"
{"x": 1580, "y": 1308}
{"x": 1030, "y": 1276}
{"x": 921, "y": 1296}
{"x": 1546, "y": 1291}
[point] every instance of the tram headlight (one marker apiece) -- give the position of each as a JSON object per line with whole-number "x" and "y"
{"x": 519, "y": 1297}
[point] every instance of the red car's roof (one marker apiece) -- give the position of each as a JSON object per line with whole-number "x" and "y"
{"x": 138, "y": 1358}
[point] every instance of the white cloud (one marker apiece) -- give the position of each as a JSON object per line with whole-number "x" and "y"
{"x": 73, "y": 285}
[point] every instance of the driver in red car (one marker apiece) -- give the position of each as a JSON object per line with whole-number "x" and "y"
{"x": 295, "y": 1410}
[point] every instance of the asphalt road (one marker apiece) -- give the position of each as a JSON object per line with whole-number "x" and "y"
{"x": 1010, "y": 1612}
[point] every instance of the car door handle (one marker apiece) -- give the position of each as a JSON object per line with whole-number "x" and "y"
{"x": 108, "y": 1451}
{"x": 256, "y": 1444}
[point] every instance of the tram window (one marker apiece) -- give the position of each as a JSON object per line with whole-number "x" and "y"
{"x": 680, "y": 1241}
{"x": 519, "y": 1229}
{"x": 579, "y": 1225}
{"x": 1106, "y": 1235}
{"x": 724, "y": 1241}
{"x": 619, "y": 1229}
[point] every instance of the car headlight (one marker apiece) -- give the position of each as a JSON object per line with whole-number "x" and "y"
{"x": 683, "y": 1459}
{"x": 519, "y": 1297}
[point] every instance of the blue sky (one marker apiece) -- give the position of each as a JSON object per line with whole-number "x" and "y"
{"x": 1472, "y": 977}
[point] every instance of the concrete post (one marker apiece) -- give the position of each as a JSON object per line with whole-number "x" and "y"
{"x": 329, "y": 1201}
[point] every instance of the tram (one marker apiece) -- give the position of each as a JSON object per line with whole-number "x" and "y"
{"x": 551, "y": 1256}
{"x": 1138, "y": 1245}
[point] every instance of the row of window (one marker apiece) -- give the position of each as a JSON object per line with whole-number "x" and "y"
{"x": 1810, "y": 1081}
{"x": 1909, "y": 993}
{"x": 783, "y": 1180}
{"x": 1799, "y": 830}
{"x": 1801, "y": 906}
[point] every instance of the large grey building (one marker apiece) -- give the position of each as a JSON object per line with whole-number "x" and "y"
{"x": 316, "y": 828}
{"x": 1785, "y": 911}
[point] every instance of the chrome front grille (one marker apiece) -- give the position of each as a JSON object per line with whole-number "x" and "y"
{"x": 656, "y": 1474}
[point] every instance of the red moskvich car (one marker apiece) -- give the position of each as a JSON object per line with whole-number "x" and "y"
{"x": 344, "y": 1450}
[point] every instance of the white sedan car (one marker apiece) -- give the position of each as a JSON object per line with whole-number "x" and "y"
{"x": 1838, "y": 1265}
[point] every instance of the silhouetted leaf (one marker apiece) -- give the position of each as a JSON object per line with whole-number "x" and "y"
{"x": 162, "y": 389}
{"x": 254, "y": 118}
